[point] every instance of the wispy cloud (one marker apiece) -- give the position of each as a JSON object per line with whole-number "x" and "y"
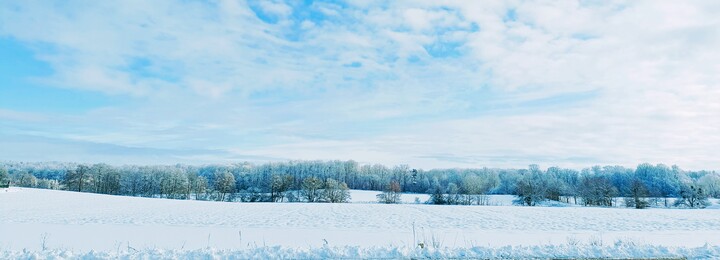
{"x": 457, "y": 83}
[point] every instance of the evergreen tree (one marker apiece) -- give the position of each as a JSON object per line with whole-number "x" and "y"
{"x": 438, "y": 198}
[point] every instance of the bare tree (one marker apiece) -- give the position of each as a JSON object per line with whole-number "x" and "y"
{"x": 391, "y": 194}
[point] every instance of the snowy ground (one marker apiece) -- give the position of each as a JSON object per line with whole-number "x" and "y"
{"x": 71, "y": 223}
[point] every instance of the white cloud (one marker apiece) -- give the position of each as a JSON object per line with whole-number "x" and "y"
{"x": 362, "y": 84}
{"x": 276, "y": 8}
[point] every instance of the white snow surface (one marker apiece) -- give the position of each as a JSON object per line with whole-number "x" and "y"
{"x": 72, "y": 224}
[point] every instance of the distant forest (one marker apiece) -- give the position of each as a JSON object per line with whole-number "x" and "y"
{"x": 328, "y": 181}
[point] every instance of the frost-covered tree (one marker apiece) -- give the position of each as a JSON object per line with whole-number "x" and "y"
{"x": 311, "y": 189}
{"x": 660, "y": 180}
{"x": 335, "y": 191}
{"x": 78, "y": 178}
{"x": 638, "y": 194}
{"x": 711, "y": 184}
{"x": 692, "y": 196}
{"x": 175, "y": 184}
{"x": 200, "y": 187}
{"x": 531, "y": 188}
{"x": 453, "y": 196}
{"x": 105, "y": 179}
{"x": 459, "y": 186}
{"x": 47, "y": 184}
{"x": 472, "y": 187}
{"x": 26, "y": 180}
{"x": 4, "y": 177}
{"x": 556, "y": 187}
{"x": 279, "y": 185}
{"x": 224, "y": 184}
{"x": 597, "y": 191}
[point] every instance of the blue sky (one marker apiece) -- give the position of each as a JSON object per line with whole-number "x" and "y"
{"x": 426, "y": 83}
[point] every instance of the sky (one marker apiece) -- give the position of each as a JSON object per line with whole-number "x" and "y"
{"x": 431, "y": 84}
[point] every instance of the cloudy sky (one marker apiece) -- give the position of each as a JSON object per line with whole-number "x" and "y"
{"x": 427, "y": 83}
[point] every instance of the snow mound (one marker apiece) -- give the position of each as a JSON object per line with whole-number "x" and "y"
{"x": 618, "y": 250}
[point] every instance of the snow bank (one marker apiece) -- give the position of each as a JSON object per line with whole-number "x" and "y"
{"x": 618, "y": 250}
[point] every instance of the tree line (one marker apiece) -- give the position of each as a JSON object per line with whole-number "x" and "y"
{"x": 328, "y": 181}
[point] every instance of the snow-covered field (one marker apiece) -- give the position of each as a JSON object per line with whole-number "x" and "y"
{"x": 70, "y": 224}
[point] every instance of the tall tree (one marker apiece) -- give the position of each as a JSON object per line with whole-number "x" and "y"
{"x": 638, "y": 193}
{"x": 279, "y": 185}
{"x": 75, "y": 179}
{"x": 4, "y": 177}
{"x": 224, "y": 184}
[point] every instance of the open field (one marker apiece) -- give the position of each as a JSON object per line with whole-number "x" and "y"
{"x": 70, "y": 222}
